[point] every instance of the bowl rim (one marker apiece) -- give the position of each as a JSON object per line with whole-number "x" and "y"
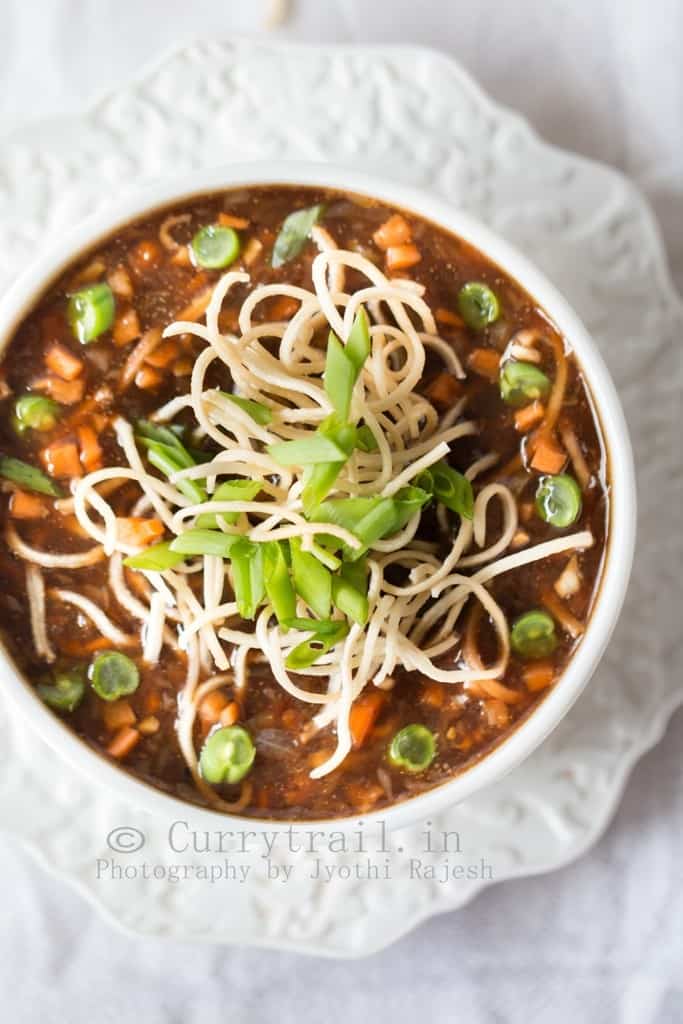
{"x": 543, "y": 719}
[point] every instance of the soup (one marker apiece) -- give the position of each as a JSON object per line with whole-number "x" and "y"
{"x": 304, "y": 502}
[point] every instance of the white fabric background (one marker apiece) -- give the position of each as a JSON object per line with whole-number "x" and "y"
{"x": 601, "y": 940}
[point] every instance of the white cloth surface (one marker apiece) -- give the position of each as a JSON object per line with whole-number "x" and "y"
{"x": 599, "y": 941}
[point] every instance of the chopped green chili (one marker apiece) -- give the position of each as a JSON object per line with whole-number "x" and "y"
{"x": 312, "y": 581}
{"x": 413, "y": 748}
{"x": 308, "y": 652}
{"x": 227, "y": 755}
{"x": 533, "y": 635}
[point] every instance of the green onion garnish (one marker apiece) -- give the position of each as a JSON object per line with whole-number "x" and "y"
{"x": 35, "y": 412}
{"x": 307, "y": 451}
{"x": 449, "y": 487}
{"x": 308, "y": 652}
{"x": 28, "y": 477}
{"x": 365, "y": 439}
{"x": 294, "y": 232}
{"x": 229, "y": 490}
{"x": 205, "y": 542}
{"x": 320, "y": 478}
{"x": 321, "y": 627}
{"x": 312, "y": 581}
{"x": 278, "y": 583}
{"x": 339, "y": 377}
{"x": 163, "y": 459}
{"x": 350, "y": 601}
{"x": 247, "y": 576}
{"x": 259, "y": 413}
{"x": 156, "y": 558}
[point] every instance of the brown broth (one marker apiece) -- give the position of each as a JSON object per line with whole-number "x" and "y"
{"x": 162, "y": 288}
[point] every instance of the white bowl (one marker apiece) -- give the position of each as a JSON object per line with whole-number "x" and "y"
{"x": 621, "y": 537}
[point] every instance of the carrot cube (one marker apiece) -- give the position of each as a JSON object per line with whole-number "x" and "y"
{"x": 393, "y": 232}
{"x": 485, "y": 362}
{"x": 61, "y": 459}
{"x": 126, "y": 327}
{"x": 401, "y": 256}
{"x": 63, "y": 363}
{"x": 26, "y": 506}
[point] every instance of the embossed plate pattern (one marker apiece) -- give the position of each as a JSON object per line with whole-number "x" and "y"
{"x": 415, "y": 115}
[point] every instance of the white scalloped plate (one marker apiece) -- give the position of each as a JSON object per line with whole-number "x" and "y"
{"x": 413, "y": 114}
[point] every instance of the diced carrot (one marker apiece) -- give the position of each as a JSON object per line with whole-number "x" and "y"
{"x": 211, "y": 707}
{"x": 63, "y": 363}
{"x": 557, "y": 608}
{"x": 148, "y": 726}
{"x": 393, "y": 232}
{"x": 497, "y": 712}
{"x": 91, "y": 453}
{"x": 284, "y": 308}
{"x": 364, "y": 714}
{"x": 485, "y": 362}
{"x": 118, "y": 715}
{"x": 126, "y": 327}
{"x": 445, "y": 316}
{"x": 61, "y": 458}
{"x": 163, "y": 354}
{"x": 138, "y": 530}
{"x": 433, "y": 694}
{"x": 181, "y": 257}
{"x": 252, "y": 251}
{"x": 197, "y": 307}
{"x": 152, "y": 700}
{"x": 72, "y": 525}
{"x": 230, "y": 714}
{"x": 529, "y": 416}
{"x": 148, "y": 379}
{"x": 123, "y": 742}
{"x": 146, "y": 256}
{"x": 120, "y": 283}
{"x": 77, "y": 648}
{"x": 229, "y": 319}
{"x": 182, "y": 368}
{"x": 401, "y": 256}
{"x": 538, "y": 675}
{"x": 66, "y": 392}
{"x": 227, "y": 220}
{"x": 443, "y": 390}
{"x": 548, "y": 457}
{"x": 27, "y": 506}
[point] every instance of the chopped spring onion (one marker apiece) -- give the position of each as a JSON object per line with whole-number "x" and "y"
{"x": 205, "y": 542}
{"x": 278, "y": 583}
{"x": 521, "y": 383}
{"x": 312, "y": 581}
{"x": 294, "y": 232}
{"x": 156, "y": 558}
{"x": 449, "y": 487}
{"x": 307, "y": 451}
{"x": 170, "y": 437}
{"x": 321, "y": 627}
{"x": 215, "y": 247}
{"x": 229, "y": 490}
{"x": 478, "y": 305}
{"x": 91, "y": 312}
{"x": 308, "y": 652}
{"x": 113, "y": 675}
{"x": 533, "y": 635}
{"x": 356, "y": 573}
{"x": 358, "y": 344}
{"x": 259, "y": 412}
{"x": 320, "y": 478}
{"x": 35, "y": 412}
{"x": 247, "y": 576}
{"x": 227, "y": 755}
{"x": 339, "y": 377}
{"x": 558, "y": 500}
{"x": 413, "y": 748}
{"x": 407, "y": 502}
{"x": 165, "y": 460}
{"x": 349, "y": 600}
{"x": 66, "y": 693}
{"x": 28, "y": 477}
{"x": 365, "y": 439}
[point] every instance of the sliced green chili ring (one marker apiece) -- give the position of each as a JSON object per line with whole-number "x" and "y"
{"x": 230, "y": 490}
{"x": 91, "y": 312}
{"x": 521, "y": 383}
{"x": 312, "y": 581}
{"x": 28, "y": 477}
{"x": 478, "y": 305}
{"x": 227, "y": 755}
{"x": 259, "y": 412}
{"x": 533, "y": 634}
{"x": 413, "y": 748}
{"x": 350, "y": 601}
{"x": 205, "y": 542}
{"x": 247, "y": 576}
{"x": 215, "y": 247}
{"x": 449, "y": 487}
{"x": 558, "y": 500}
{"x": 293, "y": 234}
{"x": 308, "y": 652}
{"x": 279, "y": 587}
{"x": 156, "y": 558}
{"x": 113, "y": 675}
{"x": 66, "y": 693}
{"x": 35, "y": 412}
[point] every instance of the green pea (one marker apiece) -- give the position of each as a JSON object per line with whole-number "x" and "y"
{"x": 521, "y": 383}
{"x": 66, "y": 693}
{"x": 478, "y": 305}
{"x": 215, "y": 247}
{"x": 34, "y": 412}
{"x": 91, "y": 312}
{"x": 413, "y": 748}
{"x": 113, "y": 675}
{"x": 227, "y": 755}
{"x": 558, "y": 499}
{"x": 533, "y": 635}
